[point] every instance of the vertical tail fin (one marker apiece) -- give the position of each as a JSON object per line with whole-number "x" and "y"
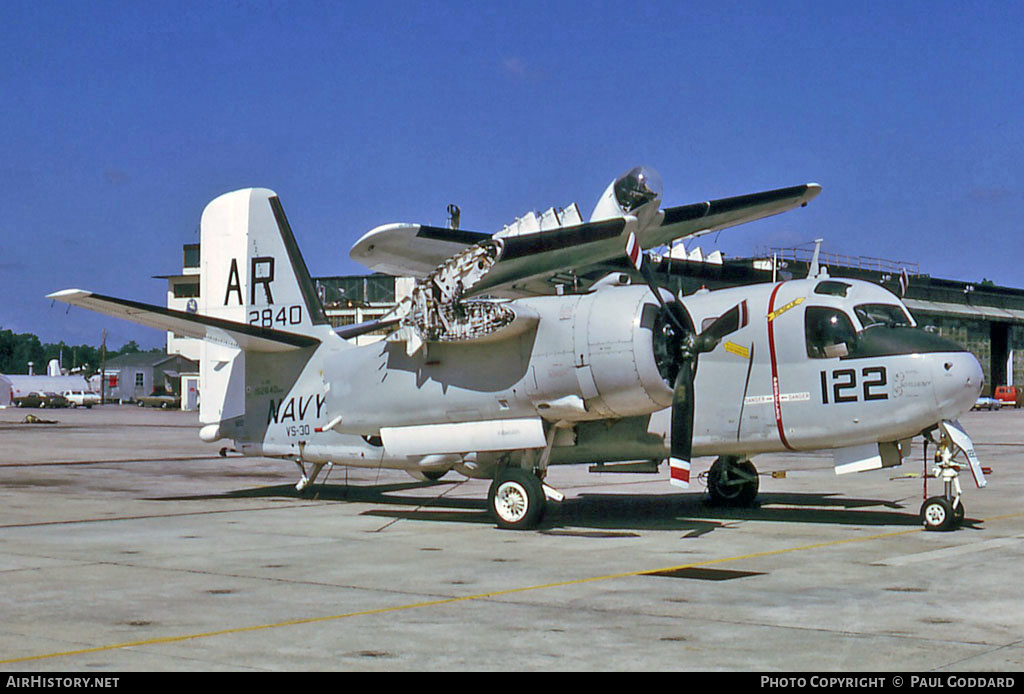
{"x": 251, "y": 268}
{"x": 251, "y": 272}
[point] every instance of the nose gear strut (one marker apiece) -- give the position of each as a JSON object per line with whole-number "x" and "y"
{"x": 946, "y": 512}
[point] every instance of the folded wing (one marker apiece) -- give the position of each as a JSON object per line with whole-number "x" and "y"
{"x": 417, "y": 250}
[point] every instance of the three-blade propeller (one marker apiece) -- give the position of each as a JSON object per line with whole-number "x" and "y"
{"x": 691, "y": 346}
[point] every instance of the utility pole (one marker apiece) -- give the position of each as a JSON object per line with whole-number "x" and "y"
{"x": 103, "y": 369}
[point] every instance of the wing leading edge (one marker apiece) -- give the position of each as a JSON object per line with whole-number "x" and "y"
{"x": 691, "y": 221}
{"x": 248, "y": 337}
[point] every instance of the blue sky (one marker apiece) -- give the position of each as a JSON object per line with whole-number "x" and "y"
{"x": 120, "y": 121}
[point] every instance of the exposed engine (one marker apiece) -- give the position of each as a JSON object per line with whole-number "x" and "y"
{"x": 437, "y": 310}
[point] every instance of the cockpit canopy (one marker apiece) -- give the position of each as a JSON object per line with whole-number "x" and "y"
{"x": 885, "y": 315}
{"x": 886, "y": 329}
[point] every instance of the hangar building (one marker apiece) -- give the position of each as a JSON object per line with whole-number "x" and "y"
{"x": 985, "y": 318}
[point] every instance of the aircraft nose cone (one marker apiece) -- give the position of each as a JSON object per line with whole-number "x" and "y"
{"x": 958, "y": 382}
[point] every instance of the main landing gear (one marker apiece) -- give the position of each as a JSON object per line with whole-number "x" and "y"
{"x": 732, "y": 482}
{"x": 516, "y": 499}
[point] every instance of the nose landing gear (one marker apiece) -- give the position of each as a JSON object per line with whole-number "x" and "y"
{"x": 946, "y": 512}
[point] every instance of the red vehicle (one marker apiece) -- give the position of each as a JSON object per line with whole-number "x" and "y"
{"x": 1009, "y": 395}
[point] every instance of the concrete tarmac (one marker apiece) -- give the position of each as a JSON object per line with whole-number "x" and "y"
{"x": 127, "y": 544}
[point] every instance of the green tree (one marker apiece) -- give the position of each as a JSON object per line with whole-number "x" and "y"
{"x": 17, "y": 350}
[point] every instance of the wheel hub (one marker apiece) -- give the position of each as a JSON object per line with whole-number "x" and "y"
{"x": 511, "y": 502}
{"x": 935, "y": 514}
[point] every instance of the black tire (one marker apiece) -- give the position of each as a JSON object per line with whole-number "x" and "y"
{"x": 937, "y": 514}
{"x": 733, "y": 484}
{"x": 434, "y": 475}
{"x": 516, "y": 499}
{"x": 958, "y": 514}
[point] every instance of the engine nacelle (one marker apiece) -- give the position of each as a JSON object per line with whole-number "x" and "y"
{"x": 636, "y": 192}
{"x": 623, "y": 358}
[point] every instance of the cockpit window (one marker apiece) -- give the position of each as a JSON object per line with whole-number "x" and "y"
{"x": 887, "y": 315}
{"x": 832, "y": 288}
{"x": 829, "y": 332}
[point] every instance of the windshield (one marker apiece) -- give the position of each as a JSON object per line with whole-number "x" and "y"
{"x": 887, "y": 315}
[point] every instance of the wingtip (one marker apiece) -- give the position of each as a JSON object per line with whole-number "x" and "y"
{"x": 811, "y": 192}
{"x": 65, "y": 294}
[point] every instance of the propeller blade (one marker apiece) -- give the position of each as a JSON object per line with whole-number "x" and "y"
{"x": 639, "y": 260}
{"x": 692, "y": 345}
{"x": 729, "y": 322}
{"x": 682, "y": 425}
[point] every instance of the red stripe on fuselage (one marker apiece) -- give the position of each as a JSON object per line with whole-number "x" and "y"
{"x": 776, "y": 401}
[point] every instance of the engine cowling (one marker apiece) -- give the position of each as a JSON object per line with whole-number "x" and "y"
{"x": 622, "y": 360}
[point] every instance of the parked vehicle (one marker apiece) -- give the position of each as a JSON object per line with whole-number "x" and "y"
{"x": 164, "y": 400}
{"x": 986, "y": 403}
{"x": 34, "y": 399}
{"x": 82, "y": 398}
{"x": 51, "y": 399}
{"x": 41, "y": 398}
{"x": 1009, "y": 396}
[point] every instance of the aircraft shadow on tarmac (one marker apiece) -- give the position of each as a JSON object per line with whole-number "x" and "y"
{"x": 690, "y": 512}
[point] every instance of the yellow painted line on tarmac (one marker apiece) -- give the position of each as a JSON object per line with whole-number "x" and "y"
{"x": 465, "y": 598}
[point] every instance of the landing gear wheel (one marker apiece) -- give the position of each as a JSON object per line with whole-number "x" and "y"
{"x": 732, "y": 483}
{"x": 937, "y": 514}
{"x": 516, "y": 499}
{"x": 434, "y": 475}
{"x": 958, "y": 514}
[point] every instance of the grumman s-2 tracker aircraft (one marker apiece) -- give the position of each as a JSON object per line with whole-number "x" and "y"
{"x": 514, "y": 353}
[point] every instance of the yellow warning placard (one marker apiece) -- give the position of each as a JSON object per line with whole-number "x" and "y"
{"x": 782, "y": 309}
{"x": 737, "y": 349}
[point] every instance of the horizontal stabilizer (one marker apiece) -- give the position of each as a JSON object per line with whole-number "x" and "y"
{"x": 251, "y": 338}
{"x": 349, "y": 332}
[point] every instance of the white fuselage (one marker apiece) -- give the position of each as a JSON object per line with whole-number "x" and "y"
{"x": 588, "y": 365}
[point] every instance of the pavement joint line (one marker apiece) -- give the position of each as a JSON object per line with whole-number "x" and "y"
{"x": 152, "y": 516}
{"x": 64, "y": 463}
{"x": 429, "y": 502}
{"x": 466, "y": 598}
{"x": 442, "y": 601}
